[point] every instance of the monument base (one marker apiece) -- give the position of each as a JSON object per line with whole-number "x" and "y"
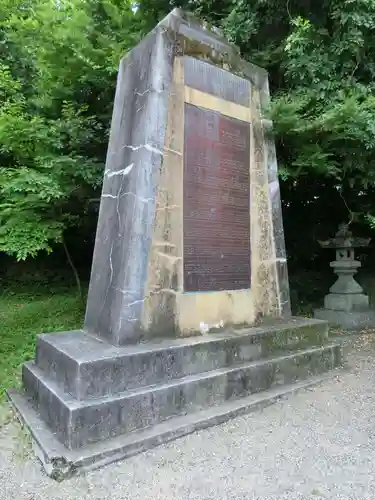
{"x": 60, "y": 463}
{"x": 348, "y": 320}
{"x": 88, "y": 403}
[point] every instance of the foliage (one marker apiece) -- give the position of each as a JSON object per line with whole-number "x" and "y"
{"x": 57, "y": 72}
{"x": 58, "y": 63}
{"x": 321, "y": 61}
{"x": 329, "y": 108}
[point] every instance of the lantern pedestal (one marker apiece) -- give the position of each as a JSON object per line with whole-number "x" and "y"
{"x": 346, "y": 305}
{"x": 347, "y": 320}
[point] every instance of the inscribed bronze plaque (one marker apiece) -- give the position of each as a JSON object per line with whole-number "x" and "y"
{"x": 216, "y": 201}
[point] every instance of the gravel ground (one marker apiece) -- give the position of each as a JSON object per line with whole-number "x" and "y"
{"x": 316, "y": 444}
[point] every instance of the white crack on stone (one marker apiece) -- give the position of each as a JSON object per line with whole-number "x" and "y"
{"x": 124, "y": 171}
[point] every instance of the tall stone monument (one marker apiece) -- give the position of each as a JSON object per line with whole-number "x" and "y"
{"x": 188, "y": 319}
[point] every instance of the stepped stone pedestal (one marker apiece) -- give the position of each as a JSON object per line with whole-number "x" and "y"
{"x": 188, "y": 318}
{"x": 346, "y": 305}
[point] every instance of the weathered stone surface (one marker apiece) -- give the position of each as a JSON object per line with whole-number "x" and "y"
{"x": 86, "y": 367}
{"x": 346, "y": 302}
{"x": 60, "y": 463}
{"x": 138, "y": 283}
{"x": 78, "y": 423}
{"x": 277, "y": 220}
{"x": 127, "y": 209}
{"x": 348, "y": 320}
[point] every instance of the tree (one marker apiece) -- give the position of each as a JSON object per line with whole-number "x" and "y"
{"x": 321, "y": 60}
{"x": 57, "y": 77}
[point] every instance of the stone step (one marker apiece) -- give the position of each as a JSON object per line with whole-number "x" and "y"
{"x": 87, "y": 367}
{"x": 78, "y": 423}
{"x": 60, "y": 463}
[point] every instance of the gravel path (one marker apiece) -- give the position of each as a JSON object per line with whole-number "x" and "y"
{"x": 317, "y": 444}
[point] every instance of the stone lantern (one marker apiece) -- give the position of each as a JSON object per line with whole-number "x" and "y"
{"x": 346, "y": 305}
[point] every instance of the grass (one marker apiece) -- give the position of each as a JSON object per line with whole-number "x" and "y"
{"x": 24, "y": 315}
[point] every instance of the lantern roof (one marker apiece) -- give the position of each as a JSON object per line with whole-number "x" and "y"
{"x": 344, "y": 239}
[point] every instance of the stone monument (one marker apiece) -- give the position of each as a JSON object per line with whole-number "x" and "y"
{"x": 346, "y": 305}
{"x": 188, "y": 319}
